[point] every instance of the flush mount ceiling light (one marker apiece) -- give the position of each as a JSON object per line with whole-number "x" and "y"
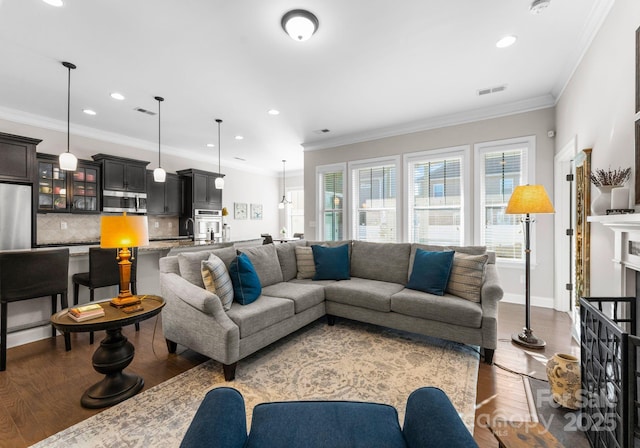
{"x": 68, "y": 161}
{"x": 117, "y": 96}
{"x": 219, "y": 180}
{"x": 89, "y": 111}
{"x": 299, "y": 24}
{"x": 57, "y": 3}
{"x": 159, "y": 175}
{"x": 506, "y": 41}
{"x": 273, "y": 112}
{"x": 537, "y": 6}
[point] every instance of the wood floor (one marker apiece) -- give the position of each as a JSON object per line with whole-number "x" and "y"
{"x": 40, "y": 390}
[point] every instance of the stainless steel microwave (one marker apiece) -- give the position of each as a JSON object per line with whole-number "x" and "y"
{"x": 124, "y": 201}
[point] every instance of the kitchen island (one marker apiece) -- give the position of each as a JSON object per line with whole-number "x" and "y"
{"x": 38, "y": 311}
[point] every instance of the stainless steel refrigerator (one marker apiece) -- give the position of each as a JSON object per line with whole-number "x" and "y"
{"x": 15, "y": 216}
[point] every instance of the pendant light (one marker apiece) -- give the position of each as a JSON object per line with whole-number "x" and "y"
{"x": 219, "y": 180}
{"x": 284, "y": 202}
{"x": 159, "y": 175}
{"x": 68, "y": 161}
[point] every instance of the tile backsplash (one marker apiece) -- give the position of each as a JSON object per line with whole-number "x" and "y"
{"x": 59, "y": 228}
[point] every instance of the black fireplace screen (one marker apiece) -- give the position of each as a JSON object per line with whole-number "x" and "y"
{"x": 610, "y": 353}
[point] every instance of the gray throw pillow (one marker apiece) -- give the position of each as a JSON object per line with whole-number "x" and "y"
{"x": 216, "y": 280}
{"x": 305, "y": 262}
{"x": 467, "y": 274}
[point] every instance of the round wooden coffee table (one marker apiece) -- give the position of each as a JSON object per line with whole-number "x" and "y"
{"x": 115, "y": 352}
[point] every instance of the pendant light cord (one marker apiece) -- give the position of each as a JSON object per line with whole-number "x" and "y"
{"x": 68, "y": 107}
{"x": 69, "y": 67}
{"x": 219, "y": 148}
{"x": 160, "y": 100}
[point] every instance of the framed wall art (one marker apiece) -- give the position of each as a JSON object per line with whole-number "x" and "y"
{"x": 256, "y": 211}
{"x": 239, "y": 210}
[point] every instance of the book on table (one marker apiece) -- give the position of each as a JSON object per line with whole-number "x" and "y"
{"x": 86, "y": 312}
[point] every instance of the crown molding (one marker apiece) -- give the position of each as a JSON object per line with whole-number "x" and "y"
{"x": 596, "y": 19}
{"x": 516, "y": 107}
{"x": 149, "y": 147}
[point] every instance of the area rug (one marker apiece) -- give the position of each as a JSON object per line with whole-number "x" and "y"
{"x": 347, "y": 361}
{"x": 563, "y": 423}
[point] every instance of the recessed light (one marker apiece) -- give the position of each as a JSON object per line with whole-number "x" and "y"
{"x": 117, "y": 96}
{"x": 506, "y": 41}
{"x": 273, "y": 112}
{"x": 239, "y": 137}
{"x": 57, "y": 3}
{"x": 210, "y": 145}
{"x": 89, "y": 111}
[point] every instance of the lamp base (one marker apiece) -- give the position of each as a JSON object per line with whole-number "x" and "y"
{"x": 528, "y": 339}
{"x": 121, "y": 302}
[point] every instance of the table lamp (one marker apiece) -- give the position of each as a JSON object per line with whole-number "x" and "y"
{"x": 122, "y": 232}
{"x": 525, "y": 200}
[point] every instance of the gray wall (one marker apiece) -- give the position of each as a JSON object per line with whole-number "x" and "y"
{"x": 597, "y": 108}
{"x": 535, "y": 123}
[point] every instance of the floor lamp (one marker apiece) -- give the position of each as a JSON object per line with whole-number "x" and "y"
{"x": 526, "y": 200}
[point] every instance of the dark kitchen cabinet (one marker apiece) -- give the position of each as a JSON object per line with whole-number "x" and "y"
{"x": 122, "y": 174}
{"x": 164, "y": 198}
{"x": 199, "y": 191}
{"x": 62, "y": 191}
{"x": 17, "y": 158}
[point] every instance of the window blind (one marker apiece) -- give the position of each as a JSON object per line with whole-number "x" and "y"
{"x": 502, "y": 171}
{"x": 435, "y": 201}
{"x": 375, "y": 203}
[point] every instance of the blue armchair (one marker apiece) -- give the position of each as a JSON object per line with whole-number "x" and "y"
{"x": 430, "y": 421}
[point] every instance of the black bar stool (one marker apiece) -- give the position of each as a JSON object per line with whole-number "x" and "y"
{"x": 103, "y": 271}
{"x": 268, "y": 239}
{"x": 28, "y": 275}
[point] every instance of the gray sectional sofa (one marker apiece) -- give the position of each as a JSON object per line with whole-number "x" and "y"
{"x": 376, "y": 294}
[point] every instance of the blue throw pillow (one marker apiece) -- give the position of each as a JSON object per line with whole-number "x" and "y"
{"x": 332, "y": 263}
{"x": 246, "y": 283}
{"x": 431, "y": 271}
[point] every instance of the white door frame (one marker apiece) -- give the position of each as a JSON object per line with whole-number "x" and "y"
{"x": 562, "y": 243}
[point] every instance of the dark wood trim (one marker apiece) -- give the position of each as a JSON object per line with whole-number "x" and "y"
{"x": 637, "y": 72}
{"x": 637, "y": 173}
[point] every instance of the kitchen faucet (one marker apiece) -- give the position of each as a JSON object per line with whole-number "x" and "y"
{"x": 186, "y": 226}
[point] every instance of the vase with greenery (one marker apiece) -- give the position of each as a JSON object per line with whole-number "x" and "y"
{"x": 605, "y": 181}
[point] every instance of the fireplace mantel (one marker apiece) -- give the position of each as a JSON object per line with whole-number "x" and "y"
{"x": 626, "y": 229}
{"x": 630, "y": 220}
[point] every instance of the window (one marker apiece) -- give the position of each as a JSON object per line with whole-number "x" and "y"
{"x": 500, "y": 167}
{"x": 374, "y": 193}
{"x": 436, "y": 196}
{"x": 295, "y": 211}
{"x": 331, "y": 180}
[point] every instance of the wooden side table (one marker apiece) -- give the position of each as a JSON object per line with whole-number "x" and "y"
{"x": 523, "y": 435}
{"x": 115, "y": 352}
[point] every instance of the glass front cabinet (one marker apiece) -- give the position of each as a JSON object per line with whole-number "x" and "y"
{"x": 62, "y": 191}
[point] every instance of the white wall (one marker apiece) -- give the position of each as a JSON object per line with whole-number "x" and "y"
{"x": 535, "y": 123}
{"x": 240, "y": 186}
{"x": 597, "y": 107}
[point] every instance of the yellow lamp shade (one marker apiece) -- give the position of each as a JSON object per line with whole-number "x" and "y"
{"x": 529, "y": 199}
{"x": 123, "y": 231}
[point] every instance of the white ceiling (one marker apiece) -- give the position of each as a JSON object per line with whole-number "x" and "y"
{"x": 374, "y": 68}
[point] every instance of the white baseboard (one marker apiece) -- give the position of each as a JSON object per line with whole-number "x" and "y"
{"x": 543, "y": 302}
{"x": 29, "y": 335}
